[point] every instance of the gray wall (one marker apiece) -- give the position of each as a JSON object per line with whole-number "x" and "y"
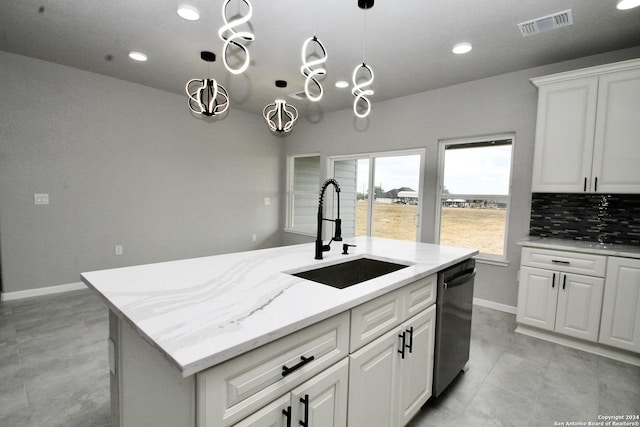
{"x": 505, "y": 103}
{"x": 123, "y": 164}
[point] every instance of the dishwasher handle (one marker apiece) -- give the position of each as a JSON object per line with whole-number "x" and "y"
{"x": 460, "y": 279}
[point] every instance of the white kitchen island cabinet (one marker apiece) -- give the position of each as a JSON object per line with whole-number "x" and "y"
{"x": 238, "y": 340}
{"x": 587, "y": 130}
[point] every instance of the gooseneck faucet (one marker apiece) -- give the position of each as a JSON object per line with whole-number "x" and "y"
{"x": 338, "y": 234}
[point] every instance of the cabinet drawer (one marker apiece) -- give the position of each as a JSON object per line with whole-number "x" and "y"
{"x": 570, "y": 262}
{"x": 238, "y": 387}
{"x": 420, "y": 295}
{"x": 373, "y": 318}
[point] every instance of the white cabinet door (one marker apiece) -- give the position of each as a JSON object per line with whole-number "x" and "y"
{"x": 617, "y": 136}
{"x": 373, "y": 382}
{"x": 579, "y": 303}
{"x": 274, "y": 414}
{"x": 620, "y": 326}
{"x": 564, "y": 136}
{"x": 322, "y": 401}
{"x": 537, "y": 298}
{"x": 416, "y": 376}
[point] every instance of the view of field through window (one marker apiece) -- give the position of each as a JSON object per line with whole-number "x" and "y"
{"x": 476, "y": 228}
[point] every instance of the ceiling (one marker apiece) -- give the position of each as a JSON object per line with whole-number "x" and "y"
{"x": 408, "y": 42}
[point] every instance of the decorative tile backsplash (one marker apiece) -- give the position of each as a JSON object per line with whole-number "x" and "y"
{"x": 606, "y": 218}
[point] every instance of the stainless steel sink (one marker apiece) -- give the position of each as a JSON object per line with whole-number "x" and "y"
{"x": 350, "y": 273}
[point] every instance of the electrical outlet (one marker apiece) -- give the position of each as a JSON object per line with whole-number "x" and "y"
{"x": 41, "y": 199}
{"x": 117, "y": 249}
{"x": 267, "y": 201}
{"x": 253, "y": 237}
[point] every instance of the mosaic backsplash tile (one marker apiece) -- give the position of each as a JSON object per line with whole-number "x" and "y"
{"x": 606, "y": 218}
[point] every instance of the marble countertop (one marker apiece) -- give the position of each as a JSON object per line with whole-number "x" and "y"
{"x": 202, "y": 311}
{"x": 609, "y": 249}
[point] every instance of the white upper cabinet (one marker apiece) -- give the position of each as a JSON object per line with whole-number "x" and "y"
{"x": 588, "y": 130}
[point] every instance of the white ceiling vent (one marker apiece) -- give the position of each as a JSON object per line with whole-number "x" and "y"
{"x": 546, "y": 23}
{"x": 300, "y": 96}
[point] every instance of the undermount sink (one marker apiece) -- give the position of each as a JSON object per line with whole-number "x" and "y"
{"x": 350, "y": 273}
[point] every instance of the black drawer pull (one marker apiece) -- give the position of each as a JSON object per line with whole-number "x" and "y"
{"x": 303, "y": 361}
{"x": 403, "y": 337}
{"x": 596, "y": 185}
{"x": 585, "y": 183}
{"x": 553, "y": 281}
{"x": 557, "y": 261}
{"x": 287, "y": 413}
{"x": 564, "y": 282}
{"x": 410, "y": 345}
{"x": 305, "y": 401}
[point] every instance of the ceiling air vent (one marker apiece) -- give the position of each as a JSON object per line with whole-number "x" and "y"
{"x": 546, "y": 23}
{"x": 300, "y": 96}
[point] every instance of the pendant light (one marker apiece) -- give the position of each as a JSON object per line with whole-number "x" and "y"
{"x": 362, "y": 70}
{"x": 307, "y": 69}
{"x": 230, "y": 36}
{"x": 280, "y": 116}
{"x": 206, "y": 96}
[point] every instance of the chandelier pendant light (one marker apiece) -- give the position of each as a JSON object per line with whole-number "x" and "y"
{"x": 360, "y": 93}
{"x": 230, "y": 36}
{"x": 309, "y": 72}
{"x": 280, "y": 116}
{"x": 362, "y": 104}
{"x": 207, "y": 97}
{"x": 311, "y": 69}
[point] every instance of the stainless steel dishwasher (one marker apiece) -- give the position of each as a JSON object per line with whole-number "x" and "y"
{"x": 453, "y": 323}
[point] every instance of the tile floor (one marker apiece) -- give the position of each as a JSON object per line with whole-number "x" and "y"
{"x": 54, "y": 372}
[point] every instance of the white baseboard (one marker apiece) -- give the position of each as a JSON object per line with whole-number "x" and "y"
{"x": 495, "y": 305}
{"x": 8, "y": 296}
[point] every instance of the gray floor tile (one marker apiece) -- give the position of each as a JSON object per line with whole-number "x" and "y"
{"x": 54, "y": 372}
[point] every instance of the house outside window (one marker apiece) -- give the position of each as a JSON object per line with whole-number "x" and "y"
{"x": 303, "y": 184}
{"x": 474, "y": 194}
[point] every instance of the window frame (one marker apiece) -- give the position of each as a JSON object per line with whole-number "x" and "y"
{"x": 500, "y": 260}
{"x": 291, "y": 192}
{"x": 371, "y": 156}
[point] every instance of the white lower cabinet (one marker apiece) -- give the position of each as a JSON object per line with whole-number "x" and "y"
{"x": 391, "y": 377}
{"x": 620, "y": 326}
{"x": 561, "y": 291}
{"x": 562, "y": 302}
{"x": 319, "y": 402}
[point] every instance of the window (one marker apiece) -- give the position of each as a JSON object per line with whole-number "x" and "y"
{"x": 474, "y": 188}
{"x": 303, "y": 174}
{"x": 379, "y": 194}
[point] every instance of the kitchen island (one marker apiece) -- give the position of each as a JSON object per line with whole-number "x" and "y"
{"x": 172, "y": 323}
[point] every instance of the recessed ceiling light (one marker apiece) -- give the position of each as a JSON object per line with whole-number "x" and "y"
{"x": 341, "y": 84}
{"x": 189, "y": 13}
{"x": 461, "y": 48}
{"x": 137, "y": 56}
{"x": 627, "y": 4}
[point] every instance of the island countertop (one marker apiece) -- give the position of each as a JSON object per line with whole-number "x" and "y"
{"x": 202, "y": 311}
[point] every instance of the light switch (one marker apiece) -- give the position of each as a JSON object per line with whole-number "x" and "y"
{"x": 41, "y": 198}
{"x": 267, "y": 201}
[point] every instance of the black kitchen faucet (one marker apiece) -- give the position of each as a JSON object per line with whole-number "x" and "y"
{"x": 338, "y": 233}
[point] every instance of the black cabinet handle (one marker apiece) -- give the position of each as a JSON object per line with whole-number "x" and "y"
{"x": 557, "y": 261}
{"x": 410, "y": 345}
{"x": 553, "y": 281}
{"x": 596, "y": 185}
{"x": 585, "y": 183}
{"x": 303, "y": 361}
{"x": 287, "y": 413}
{"x": 564, "y": 282}
{"x": 305, "y": 401}
{"x": 403, "y": 337}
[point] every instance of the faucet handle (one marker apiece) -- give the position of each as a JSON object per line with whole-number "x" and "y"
{"x": 345, "y": 248}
